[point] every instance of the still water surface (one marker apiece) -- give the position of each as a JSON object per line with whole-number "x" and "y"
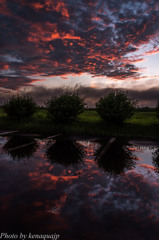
{"x": 80, "y": 189}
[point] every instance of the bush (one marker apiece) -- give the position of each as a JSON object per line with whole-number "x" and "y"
{"x": 157, "y": 109}
{"x": 20, "y": 107}
{"x": 115, "y": 107}
{"x": 66, "y": 107}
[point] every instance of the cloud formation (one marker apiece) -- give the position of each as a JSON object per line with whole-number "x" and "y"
{"x": 50, "y": 38}
{"x": 91, "y": 95}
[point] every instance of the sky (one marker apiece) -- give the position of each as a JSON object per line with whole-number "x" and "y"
{"x": 97, "y": 44}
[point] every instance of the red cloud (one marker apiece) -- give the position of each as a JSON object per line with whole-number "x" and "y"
{"x": 60, "y": 37}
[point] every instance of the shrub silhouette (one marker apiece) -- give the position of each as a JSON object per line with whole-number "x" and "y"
{"x": 157, "y": 109}
{"x": 115, "y": 107}
{"x": 117, "y": 159}
{"x": 65, "y": 108}
{"x": 155, "y": 159}
{"x": 19, "y": 153}
{"x": 20, "y": 107}
{"x": 66, "y": 152}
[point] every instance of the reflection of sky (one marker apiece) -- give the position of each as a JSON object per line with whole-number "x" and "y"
{"x": 83, "y": 199}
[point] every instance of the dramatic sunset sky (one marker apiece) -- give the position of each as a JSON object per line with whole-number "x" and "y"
{"x": 99, "y": 44}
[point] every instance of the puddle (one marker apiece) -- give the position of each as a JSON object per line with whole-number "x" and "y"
{"x": 79, "y": 189}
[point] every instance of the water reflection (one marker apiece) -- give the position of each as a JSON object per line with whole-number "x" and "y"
{"x": 81, "y": 202}
{"x": 19, "y": 147}
{"x": 65, "y": 152}
{"x": 155, "y": 158}
{"x": 115, "y": 158}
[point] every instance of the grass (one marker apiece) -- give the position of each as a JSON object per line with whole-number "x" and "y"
{"x": 144, "y": 118}
{"x": 141, "y": 125}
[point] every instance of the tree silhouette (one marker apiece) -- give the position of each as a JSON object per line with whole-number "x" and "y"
{"x": 65, "y": 152}
{"x": 13, "y": 144}
{"x": 116, "y": 159}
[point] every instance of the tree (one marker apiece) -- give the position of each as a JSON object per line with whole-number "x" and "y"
{"x": 66, "y": 107}
{"x": 116, "y": 107}
{"x": 157, "y": 109}
{"x": 20, "y": 107}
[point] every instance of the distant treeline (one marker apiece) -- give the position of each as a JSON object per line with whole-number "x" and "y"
{"x": 145, "y": 109}
{"x": 138, "y": 109}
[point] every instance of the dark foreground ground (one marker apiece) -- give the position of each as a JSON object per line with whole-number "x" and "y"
{"x": 141, "y": 125}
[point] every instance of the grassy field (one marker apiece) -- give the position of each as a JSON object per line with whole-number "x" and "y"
{"x": 141, "y": 125}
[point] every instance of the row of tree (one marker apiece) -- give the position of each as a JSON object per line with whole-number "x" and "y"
{"x": 116, "y": 106}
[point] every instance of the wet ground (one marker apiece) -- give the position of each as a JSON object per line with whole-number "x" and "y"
{"x": 79, "y": 189}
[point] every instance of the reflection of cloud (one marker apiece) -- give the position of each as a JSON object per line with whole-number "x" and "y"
{"x": 60, "y": 37}
{"x": 86, "y": 203}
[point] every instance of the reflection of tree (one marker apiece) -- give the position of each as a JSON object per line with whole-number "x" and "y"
{"x": 65, "y": 152}
{"x": 155, "y": 159}
{"x": 13, "y": 144}
{"x": 116, "y": 159}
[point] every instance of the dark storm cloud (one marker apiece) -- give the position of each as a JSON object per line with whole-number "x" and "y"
{"x": 147, "y": 97}
{"x": 58, "y": 37}
{"x": 92, "y": 95}
{"x": 11, "y": 82}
